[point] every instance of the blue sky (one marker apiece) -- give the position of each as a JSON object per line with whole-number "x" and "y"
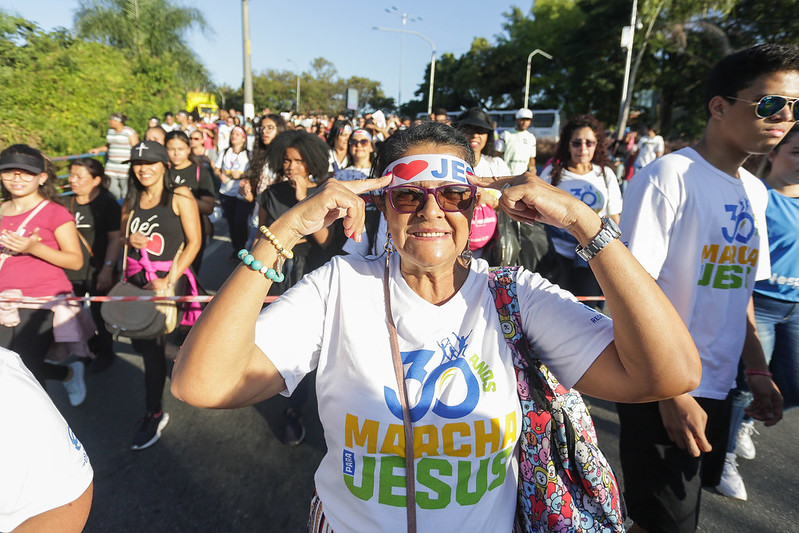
{"x": 340, "y": 31}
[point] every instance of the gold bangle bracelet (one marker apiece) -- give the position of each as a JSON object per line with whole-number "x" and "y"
{"x": 288, "y": 254}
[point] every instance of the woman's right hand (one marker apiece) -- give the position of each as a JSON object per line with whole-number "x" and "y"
{"x": 138, "y": 240}
{"x": 333, "y": 200}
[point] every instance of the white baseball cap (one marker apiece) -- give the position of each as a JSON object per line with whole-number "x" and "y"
{"x": 524, "y": 113}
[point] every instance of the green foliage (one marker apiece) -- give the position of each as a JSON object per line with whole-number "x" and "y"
{"x": 321, "y": 90}
{"x": 59, "y": 90}
{"x": 145, "y": 29}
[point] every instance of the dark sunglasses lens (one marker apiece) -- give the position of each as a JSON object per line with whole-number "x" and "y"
{"x": 406, "y": 199}
{"x": 770, "y": 106}
{"x": 454, "y": 197}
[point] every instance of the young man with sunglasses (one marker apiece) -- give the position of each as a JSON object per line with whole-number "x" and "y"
{"x": 695, "y": 220}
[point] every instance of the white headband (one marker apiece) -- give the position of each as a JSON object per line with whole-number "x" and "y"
{"x": 429, "y": 167}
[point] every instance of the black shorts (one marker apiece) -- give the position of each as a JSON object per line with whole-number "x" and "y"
{"x": 663, "y": 483}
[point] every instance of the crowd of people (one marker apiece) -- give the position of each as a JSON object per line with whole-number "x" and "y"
{"x": 311, "y": 202}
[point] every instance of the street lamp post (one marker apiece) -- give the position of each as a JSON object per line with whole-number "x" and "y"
{"x": 402, "y": 48}
{"x": 527, "y": 79}
{"x": 249, "y": 106}
{"x": 432, "y": 62}
{"x": 298, "y": 85}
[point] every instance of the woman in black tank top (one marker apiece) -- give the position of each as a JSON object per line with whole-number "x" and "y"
{"x": 160, "y": 221}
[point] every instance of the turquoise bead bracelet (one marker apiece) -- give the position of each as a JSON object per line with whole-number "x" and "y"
{"x": 275, "y": 274}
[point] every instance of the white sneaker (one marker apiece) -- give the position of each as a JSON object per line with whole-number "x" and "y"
{"x": 731, "y": 484}
{"x": 76, "y": 387}
{"x": 745, "y": 446}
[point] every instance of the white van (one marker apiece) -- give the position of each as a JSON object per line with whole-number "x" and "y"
{"x": 546, "y": 122}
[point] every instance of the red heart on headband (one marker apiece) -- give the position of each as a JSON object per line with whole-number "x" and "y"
{"x": 406, "y": 171}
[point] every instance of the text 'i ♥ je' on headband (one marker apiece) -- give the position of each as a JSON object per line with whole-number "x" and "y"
{"x": 429, "y": 167}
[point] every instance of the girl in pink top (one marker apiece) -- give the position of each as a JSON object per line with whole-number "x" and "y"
{"x": 38, "y": 239}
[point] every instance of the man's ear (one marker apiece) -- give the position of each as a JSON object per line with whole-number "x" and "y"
{"x": 718, "y": 106}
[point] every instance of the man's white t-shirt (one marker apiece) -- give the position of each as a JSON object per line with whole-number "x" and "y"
{"x": 648, "y": 150}
{"x": 519, "y": 148}
{"x": 599, "y": 189}
{"x": 701, "y": 234}
{"x": 492, "y": 167}
{"x": 43, "y": 465}
{"x": 461, "y": 388}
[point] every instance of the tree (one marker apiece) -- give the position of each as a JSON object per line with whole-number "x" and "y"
{"x": 145, "y": 29}
{"x": 58, "y": 90}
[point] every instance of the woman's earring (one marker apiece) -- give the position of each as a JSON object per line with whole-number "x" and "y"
{"x": 465, "y": 256}
{"x": 389, "y": 246}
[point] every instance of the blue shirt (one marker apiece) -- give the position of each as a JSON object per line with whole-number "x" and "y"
{"x": 782, "y": 221}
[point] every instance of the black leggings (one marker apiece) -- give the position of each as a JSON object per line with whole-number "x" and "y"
{"x": 153, "y": 352}
{"x": 31, "y": 339}
{"x": 237, "y": 213}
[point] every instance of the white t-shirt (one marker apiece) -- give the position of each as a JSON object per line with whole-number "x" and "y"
{"x": 43, "y": 465}
{"x": 648, "y": 149}
{"x": 492, "y": 167}
{"x": 230, "y": 160}
{"x": 223, "y": 137}
{"x": 598, "y": 189}
{"x": 519, "y": 148}
{"x": 461, "y": 388}
{"x": 700, "y": 233}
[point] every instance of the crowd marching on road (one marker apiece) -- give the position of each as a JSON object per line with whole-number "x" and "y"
{"x": 385, "y": 244}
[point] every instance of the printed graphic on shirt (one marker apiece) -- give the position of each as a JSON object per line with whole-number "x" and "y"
{"x": 458, "y": 461}
{"x": 588, "y": 194}
{"x": 731, "y": 264}
{"x": 80, "y": 220}
{"x": 155, "y": 240}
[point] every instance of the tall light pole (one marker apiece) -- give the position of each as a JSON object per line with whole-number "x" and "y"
{"x": 527, "y": 79}
{"x": 402, "y": 48}
{"x": 298, "y": 84}
{"x": 627, "y": 39}
{"x": 249, "y": 107}
{"x": 432, "y": 62}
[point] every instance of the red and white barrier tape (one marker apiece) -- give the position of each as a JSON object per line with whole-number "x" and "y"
{"x": 201, "y": 299}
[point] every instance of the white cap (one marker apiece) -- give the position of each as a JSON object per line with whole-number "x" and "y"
{"x": 524, "y": 113}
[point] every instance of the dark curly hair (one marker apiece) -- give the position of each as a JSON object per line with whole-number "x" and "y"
{"x": 314, "y": 152}
{"x": 562, "y": 156}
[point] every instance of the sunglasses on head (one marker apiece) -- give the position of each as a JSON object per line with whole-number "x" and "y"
{"x": 772, "y": 104}
{"x": 450, "y": 198}
{"x": 577, "y": 143}
{"x": 362, "y": 142}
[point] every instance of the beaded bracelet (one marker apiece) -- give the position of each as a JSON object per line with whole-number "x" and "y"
{"x": 288, "y": 254}
{"x": 758, "y": 373}
{"x": 275, "y": 274}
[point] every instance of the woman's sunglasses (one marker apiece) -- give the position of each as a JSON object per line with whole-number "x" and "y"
{"x": 450, "y": 198}
{"x": 771, "y": 105}
{"x": 578, "y": 143}
{"x": 362, "y": 142}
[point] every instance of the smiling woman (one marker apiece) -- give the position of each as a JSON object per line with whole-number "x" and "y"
{"x": 414, "y": 344}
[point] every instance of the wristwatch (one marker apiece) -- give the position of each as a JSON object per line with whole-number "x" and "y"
{"x": 607, "y": 234}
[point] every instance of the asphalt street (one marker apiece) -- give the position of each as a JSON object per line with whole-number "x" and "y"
{"x": 227, "y": 470}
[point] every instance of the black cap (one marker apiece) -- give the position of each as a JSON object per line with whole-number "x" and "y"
{"x": 26, "y": 162}
{"x": 148, "y": 152}
{"x": 475, "y": 117}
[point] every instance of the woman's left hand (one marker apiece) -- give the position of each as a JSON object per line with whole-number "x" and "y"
{"x": 158, "y": 284}
{"x": 18, "y": 243}
{"x": 527, "y": 198}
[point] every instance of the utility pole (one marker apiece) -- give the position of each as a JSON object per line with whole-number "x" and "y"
{"x": 249, "y": 106}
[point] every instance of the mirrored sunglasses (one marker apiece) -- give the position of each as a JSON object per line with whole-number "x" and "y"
{"x": 772, "y": 104}
{"x": 450, "y": 198}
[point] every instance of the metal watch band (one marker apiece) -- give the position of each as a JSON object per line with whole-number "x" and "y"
{"x": 607, "y": 234}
